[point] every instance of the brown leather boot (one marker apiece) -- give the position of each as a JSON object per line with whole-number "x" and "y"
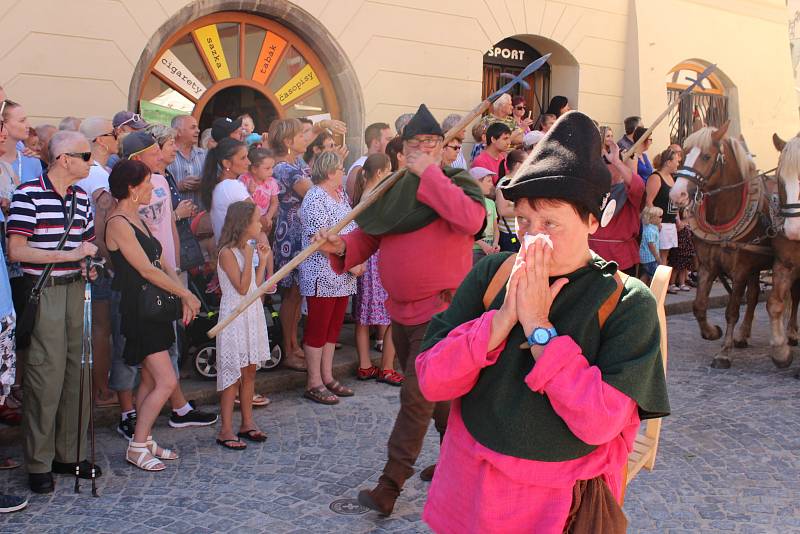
{"x": 427, "y": 474}
{"x": 382, "y": 498}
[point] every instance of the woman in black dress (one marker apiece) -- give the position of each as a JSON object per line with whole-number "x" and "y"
{"x": 137, "y": 260}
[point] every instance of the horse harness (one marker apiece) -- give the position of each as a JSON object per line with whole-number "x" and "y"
{"x": 756, "y": 208}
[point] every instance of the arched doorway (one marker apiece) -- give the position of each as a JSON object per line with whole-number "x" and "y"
{"x": 505, "y": 60}
{"x": 229, "y": 63}
{"x": 707, "y": 105}
{"x": 559, "y": 76}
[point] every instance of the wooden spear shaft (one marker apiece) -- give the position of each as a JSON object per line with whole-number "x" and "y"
{"x": 684, "y": 93}
{"x": 367, "y": 201}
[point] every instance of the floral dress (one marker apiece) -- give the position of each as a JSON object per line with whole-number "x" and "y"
{"x": 288, "y": 230}
{"x": 370, "y": 307}
{"x": 320, "y": 211}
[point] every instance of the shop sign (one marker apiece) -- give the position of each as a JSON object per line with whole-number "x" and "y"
{"x": 173, "y": 69}
{"x": 303, "y": 82}
{"x": 211, "y": 45}
{"x": 271, "y": 50}
{"x": 511, "y": 53}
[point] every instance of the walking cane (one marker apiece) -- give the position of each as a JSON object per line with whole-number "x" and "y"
{"x": 86, "y": 352}
{"x": 371, "y": 197}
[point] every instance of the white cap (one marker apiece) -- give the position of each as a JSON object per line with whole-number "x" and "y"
{"x": 480, "y": 173}
{"x": 532, "y": 137}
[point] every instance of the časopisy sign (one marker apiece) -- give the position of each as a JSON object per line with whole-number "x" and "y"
{"x": 302, "y": 82}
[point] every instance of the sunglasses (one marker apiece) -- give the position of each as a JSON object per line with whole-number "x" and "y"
{"x": 454, "y": 147}
{"x": 520, "y": 108}
{"x": 428, "y": 142}
{"x": 85, "y": 156}
{"x": 112, "y": 134}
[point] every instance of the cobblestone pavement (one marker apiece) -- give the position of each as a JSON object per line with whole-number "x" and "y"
{"x": 729, "y": 461}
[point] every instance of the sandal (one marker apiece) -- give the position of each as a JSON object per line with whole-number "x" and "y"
{"x": 296, "y": 362}
{"x": 338, "y": 389}
{"x": 143, "y": 459}
{"x": 253, "y": 435}
{"x": 322, "y": 395}
{"x": 391, "y": 377}
{"x": 9, "y": 463}
{"x": 227, "y": 444}
{"x": 684, "y": 287}
{"x": 258, "y": 400}
{"x": 368, "y": 373}
{"x": 160, "y": 452}
{"x": 672, "y": 290}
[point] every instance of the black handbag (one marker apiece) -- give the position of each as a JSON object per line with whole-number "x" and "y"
{"x": 156, "y": 304}
{"x": 27, "y": 319}
{"x": 191, "y": 253}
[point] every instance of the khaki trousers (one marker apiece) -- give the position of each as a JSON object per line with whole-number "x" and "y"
{"x": 52, "y": 380}
{"x": 411, "y": 425}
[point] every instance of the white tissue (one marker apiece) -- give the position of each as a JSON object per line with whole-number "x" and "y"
{"x": 531, "y": 239}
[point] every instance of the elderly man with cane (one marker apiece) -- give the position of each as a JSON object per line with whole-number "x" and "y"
{"x": 50, "y": 229}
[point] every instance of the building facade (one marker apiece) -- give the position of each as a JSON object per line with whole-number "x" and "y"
{"x": 366, "y": 61}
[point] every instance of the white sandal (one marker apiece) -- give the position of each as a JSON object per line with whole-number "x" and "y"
{"x": 144, "y": 459}
{"x": 165, "y": 454}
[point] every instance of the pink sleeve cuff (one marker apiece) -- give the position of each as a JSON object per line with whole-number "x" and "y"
{"x": 558, "y": 354}
{"x": 480, "y": 339}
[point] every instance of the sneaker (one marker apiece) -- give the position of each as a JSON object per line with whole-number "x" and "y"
{"x": 126, "y": 426}
{"x": 12, "y": 503}
{"x": 193, "y": 418}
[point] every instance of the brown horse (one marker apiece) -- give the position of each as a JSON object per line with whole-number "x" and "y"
{"x": 786, "y": 270}
{"x": 731, "y": 223}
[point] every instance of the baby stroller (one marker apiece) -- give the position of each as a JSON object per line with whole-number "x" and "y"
{"x": 201, "y": 348}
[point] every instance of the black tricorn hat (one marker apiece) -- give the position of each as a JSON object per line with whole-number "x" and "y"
{"x": 566, "y": 164}
{"x": 422, "y": 123}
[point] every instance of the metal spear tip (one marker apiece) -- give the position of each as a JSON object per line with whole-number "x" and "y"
{"x": 527, "y": 71}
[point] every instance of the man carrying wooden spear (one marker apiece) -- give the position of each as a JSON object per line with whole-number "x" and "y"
{"x": 424, "y": 228}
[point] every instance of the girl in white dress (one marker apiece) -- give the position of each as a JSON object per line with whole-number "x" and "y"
{"x": 242, "y": 344}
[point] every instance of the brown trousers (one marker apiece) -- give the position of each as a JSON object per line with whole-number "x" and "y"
{"x": 411, "y": 425}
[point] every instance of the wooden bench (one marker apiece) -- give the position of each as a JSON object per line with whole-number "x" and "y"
{"x": 646, "y": 445}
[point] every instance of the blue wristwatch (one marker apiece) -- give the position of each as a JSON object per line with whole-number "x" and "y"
{"x": 541, "y": 336}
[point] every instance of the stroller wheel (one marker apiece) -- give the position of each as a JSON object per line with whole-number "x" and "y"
{"x": 205, "y": 361}
{"x": 275, "y": 358}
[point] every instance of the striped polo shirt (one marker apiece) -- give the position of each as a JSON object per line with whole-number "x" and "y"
{"x": 191, "y": 166}
{"x": 41, "y": 214}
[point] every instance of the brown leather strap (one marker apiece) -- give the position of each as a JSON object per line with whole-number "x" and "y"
{"x": 499, "y": 279}
{"x": 608, "y": 307}
{"x": 502, "y": 275}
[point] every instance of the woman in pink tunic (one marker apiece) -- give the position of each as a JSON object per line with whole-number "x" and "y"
{"x": 550, "y": 371}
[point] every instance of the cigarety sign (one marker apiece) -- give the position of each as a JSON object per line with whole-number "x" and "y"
{"x": 271, "y": 50}
{"x": 173, "y": 69}
{"x": 303, "y": 82}
{"x": 211, "y": 45}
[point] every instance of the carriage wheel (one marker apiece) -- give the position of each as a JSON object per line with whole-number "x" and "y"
{"x": 205, "y": 361}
